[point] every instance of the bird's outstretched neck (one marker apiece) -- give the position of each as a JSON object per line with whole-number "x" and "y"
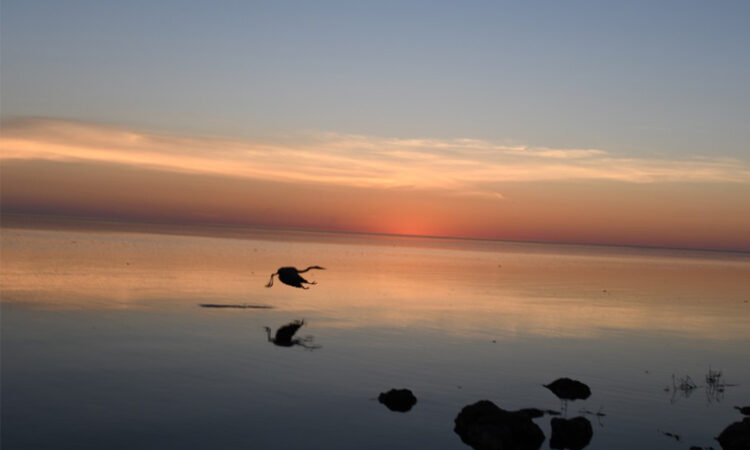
{"x": 270, "y": 281}
{"x": 311, "y": 267}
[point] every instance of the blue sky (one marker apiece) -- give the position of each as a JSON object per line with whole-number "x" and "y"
{"x": 647, "y": 79}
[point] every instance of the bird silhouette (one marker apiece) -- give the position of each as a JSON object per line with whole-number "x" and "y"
{"x": 290, "y": 276}
{"x": 284, "y": 336}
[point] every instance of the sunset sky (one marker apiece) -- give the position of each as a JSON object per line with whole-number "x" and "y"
{"x": 580, "y": 122}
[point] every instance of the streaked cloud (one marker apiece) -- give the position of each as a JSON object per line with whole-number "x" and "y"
{"x": 465, "y": 167}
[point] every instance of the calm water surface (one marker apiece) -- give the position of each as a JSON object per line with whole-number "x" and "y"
{"x": 104, "y": 344}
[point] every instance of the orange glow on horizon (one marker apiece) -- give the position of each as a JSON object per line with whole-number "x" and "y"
{"x": 403, "y": 188}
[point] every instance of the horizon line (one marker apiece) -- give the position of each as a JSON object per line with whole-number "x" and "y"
{"x": 99, "y": 219}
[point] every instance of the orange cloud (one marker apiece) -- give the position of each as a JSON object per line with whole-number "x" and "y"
{"x": 328, "y": 181}
{"x": 462, "y": 166}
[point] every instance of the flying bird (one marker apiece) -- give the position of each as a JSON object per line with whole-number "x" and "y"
{"x": 290, "y": 276}
{"x": 284, "y": 336}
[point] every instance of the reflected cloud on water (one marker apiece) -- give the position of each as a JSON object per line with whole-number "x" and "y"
{"x": 461, "y": 292}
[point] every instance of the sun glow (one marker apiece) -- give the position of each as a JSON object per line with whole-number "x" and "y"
{"x": 425, "y": 187}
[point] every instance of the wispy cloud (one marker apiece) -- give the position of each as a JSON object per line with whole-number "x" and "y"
{"x": 462, "y": 166}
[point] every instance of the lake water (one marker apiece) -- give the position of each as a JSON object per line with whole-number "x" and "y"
{"x": 104, "y": 344}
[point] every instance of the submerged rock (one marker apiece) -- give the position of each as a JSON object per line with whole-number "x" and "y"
{"x": 531, "y": 413}
{"x": 401, "y": 400}
{"x": 736, "y": 436}
{"x": 485, "y": 426}
{"x": 573, "y": 434}
{"x": 535, "y": 413}
{"x": 567, "y": 389}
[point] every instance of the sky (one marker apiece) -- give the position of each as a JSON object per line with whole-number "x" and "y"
{"x": 584, "y": 122}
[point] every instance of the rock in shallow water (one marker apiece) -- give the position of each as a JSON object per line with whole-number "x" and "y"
{"x": 736, "y": 436}
{"x": 401, "y": 400}
{"x": 485, "y": 426}
{"x": 573, "y": 434}
{"x": 531, "y": 413}
{"x": 567, "y": 389}
{"x": 535, "y": 413}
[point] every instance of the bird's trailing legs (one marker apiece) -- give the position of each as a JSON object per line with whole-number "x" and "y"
{"x": 302, "y": 280}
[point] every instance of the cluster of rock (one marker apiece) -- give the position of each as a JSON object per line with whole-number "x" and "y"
{"x": 485, "y": 426}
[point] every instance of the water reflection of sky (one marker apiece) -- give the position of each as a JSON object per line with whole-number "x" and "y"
{"x": 508, "y": 291}
{"x": 104, "y": 344}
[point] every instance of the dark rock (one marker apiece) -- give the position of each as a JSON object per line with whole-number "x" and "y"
{"x": 485, "y": 426}
{"x": 567, "y": 389}
{"x": 400, "y": 400}
{"x": 535, "y": 413}
{"x": 573, "y": 434}
{"x": 531, "y": 413}
{"x": 736, "y": 436}
{"x": 744, "y": 410}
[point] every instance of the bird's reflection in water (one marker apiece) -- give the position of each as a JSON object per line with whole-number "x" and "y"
{"x": 284, "y": 336}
